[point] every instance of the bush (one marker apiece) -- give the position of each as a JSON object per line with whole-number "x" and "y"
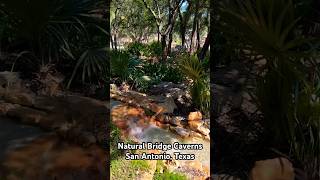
{"x": 196, "y": 71}
{"x": 153, "y": 49}
{"x": 136, "y": 48}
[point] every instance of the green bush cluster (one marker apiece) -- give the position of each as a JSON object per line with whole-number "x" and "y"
{"x": 153, "y": 49}
{"x": 140, "y": 74}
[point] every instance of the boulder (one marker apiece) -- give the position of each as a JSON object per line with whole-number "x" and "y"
{"x": 195, "y": 125}
{"x": 271, "y": 169}
{"x": 203, "y": 130}
{"x": 195, "y": 116}
{"x": 168, "y": 105}
{"x": 177, "y": 121}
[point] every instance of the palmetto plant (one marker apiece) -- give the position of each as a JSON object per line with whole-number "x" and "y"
{"x": 54, "y": 30}
{"x": 120, "y": 65}
{"x": 195, "y": 70}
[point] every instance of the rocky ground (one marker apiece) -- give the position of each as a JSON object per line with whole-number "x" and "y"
{"x": 58, "y": 136}
{"x": 141, "y": 116}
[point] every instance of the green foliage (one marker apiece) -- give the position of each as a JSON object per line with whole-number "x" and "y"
{"x": 169, "y": 175}
{"x": 135, "y": 48}
{"x": 56, "y": 32}
{"x": 93, "y": 63}
{"x": 271, "y": 29}
{"x": 121, "y": 169}
{"x": 114, "y": 139}
{"x": 153, "y": 49}
{"x": 195, "y": 70}
{"x": 121, "y": 65}
{"x": 140, "y": 164}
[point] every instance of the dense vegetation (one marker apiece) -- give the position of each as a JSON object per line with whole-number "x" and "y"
{"x": 67, "y": 36}
{"x": 285, "y": 34}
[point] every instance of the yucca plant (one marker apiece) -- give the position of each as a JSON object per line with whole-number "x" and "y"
{"x": 195, "y": 70}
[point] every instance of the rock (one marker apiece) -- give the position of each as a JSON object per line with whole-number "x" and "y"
{"x": 49, "y": 158}
{"x": 163, "y": 118}
{"x": 21, "y": 98}
{"x": 195, "y": 125}
{"x": 195, "y": 134}
{"x": 203, "y": 130}
{"x": 271, "y": 169}
{"x": 5, "y": 107}
{"x": 162, "y": 125}
{"x": 30, "y": 116}
{"x": 195, "y": 116}
{"x": 181, "y": 131}
{"x": 177, "y": 121}
{"x": 207, "y": 123}
{"x": 169, "y": 105}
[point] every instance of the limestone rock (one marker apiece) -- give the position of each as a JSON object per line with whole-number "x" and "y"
{"x": 195, "y": 116}
{"x": 168, "y": 105}
{"x": 177, "y": 121}
{"x": 195, "y": 125}
{"x": 203, "y": 130}
{"x": 272, "y": 169}
{"x": 21, "y": 98}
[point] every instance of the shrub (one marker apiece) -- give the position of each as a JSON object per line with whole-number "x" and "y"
{"x": 136, "y": 48}
{"x": 195, "y": 70}
{"x": 153, "y": 49}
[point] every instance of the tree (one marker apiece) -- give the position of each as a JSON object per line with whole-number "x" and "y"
{"x": 164, "y": 29}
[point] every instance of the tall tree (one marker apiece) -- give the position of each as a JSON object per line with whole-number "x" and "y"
{"x": 164, "y": 29}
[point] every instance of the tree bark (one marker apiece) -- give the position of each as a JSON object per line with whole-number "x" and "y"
{"x": 194, "y": 27}
{"x": 202, "y": 53}
{"x": 198, "y": 36}
{"x": 183, "y": 23}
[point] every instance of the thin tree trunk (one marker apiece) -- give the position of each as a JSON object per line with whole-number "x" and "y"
{"x": 198, "y": 36}
{"x": 163, "y": 46}
{"x": 115, "y": 42}
{"x": 202, "y": 53}
{"x": 111, "y": 39}
{"x": 194, "y": 27}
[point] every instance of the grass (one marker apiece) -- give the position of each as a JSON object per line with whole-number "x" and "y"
{"x": 125, "y": 169}
{"x": 162, "y": 174}
{"x": 169, "y": 175}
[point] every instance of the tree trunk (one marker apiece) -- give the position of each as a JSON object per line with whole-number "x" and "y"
{"x": 194, "y": 27}
{"x": 111, "y": 40}
{"x": 115, "y": 41}
{"x": 163, "y": 46}
{"x": 198, "y": 36}
{"x": 202, "y": 53}
{"x": 183, "y": 23}
{"x": 169, "y": 43}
